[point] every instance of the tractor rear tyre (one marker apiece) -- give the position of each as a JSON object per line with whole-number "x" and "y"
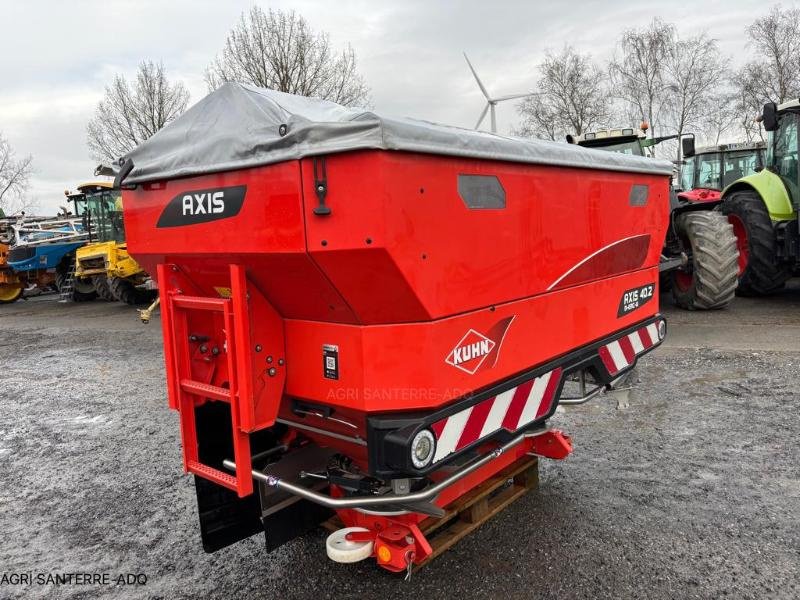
{"x": 102, "y": 288}
{"x": 759, "y": 271}
{"x": 710, "y": 282}
{"x": 126, "y": 292}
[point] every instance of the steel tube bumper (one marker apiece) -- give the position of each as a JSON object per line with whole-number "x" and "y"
{"x": 389, "y": 499}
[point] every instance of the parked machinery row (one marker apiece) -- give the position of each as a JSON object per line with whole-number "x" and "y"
{"x": 81, "y": 255}
{"x": 38, "y": 254}
{"x": 733, "y": 225}
{"x": 734, "y": 210}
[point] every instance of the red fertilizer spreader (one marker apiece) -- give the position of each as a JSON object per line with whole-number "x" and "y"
{"x": 372, "y": 315}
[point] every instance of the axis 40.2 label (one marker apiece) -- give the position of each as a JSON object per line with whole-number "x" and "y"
{"x": 633, "y": 299}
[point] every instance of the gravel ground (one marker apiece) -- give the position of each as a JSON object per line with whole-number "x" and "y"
{"x": 692, "y": 491}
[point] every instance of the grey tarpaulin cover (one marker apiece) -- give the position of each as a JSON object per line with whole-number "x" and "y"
{"x": 238, "y": 126}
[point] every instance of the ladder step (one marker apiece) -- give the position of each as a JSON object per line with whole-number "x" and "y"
{"x": 205, "y": 390}
{"x": 215, "y": 475}
{"x": 200, "y": 303}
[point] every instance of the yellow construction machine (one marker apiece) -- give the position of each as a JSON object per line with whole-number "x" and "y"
{"x": 105, "y": 259}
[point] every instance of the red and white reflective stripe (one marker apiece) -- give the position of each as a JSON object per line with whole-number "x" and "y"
{"x": 621, "y": 354}
{"x": 510, "y": 410}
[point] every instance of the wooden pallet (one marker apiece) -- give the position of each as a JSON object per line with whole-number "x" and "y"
{"x": 474, "y": 508}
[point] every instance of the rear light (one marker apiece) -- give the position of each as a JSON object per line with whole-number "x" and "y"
{"x": 422, "y": 449}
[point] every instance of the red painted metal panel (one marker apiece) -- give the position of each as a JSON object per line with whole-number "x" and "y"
{"x": 400, "y": 245}
{"x": 196, "y": 303}
{"x": 166, "y": 334}
{"x": 404, "y": 366}
{"x": 620, "y": 256}
{"x": 267, "y": 236}
{"x": 425, "y": 299}
{"x": 398, "y": 225}
{"x": 270, "y": 218}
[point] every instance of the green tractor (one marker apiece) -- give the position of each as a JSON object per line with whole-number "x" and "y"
{"x": 764, "y": 207}
{"x": 700, "y": 254}
{"x": 709, "y": 170}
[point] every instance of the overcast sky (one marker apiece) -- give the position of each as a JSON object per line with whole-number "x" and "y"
{"x": 56, "y": 56}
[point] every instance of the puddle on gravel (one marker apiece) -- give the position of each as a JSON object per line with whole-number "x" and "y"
{"x": 87, "y": 420}
{"x": 712, "y": 378}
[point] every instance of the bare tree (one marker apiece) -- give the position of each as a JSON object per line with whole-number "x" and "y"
{"x": 694, "y": 70}
{"x": 749, "y": 102}
{"x": 777, "y": 37}
{"x": 278, "y": 50}
{"x": 572, "y": 97}
{"x": 637, "y": 70}
{"x": 539, "y": 120}
{"x": 129, "y": 114}
{"x": 719, "y": 117}
{"x": 14, "y": 176}
{"x": 775, "y": 75}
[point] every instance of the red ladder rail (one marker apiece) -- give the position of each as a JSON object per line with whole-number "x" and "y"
{"x": 186, "y": 392}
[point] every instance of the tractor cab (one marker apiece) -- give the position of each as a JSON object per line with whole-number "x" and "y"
{"x": 764, "y": 206}
{"x": 624, "y": 141}
{"x": 104, "y": 262}
{"x": 627, "y": 141}
{"x": 101, "y": 208}
{"x": 782, "y": 148}
{"x": 710, "y": 169}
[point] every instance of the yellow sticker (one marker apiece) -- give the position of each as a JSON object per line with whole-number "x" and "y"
{"x": 223, "y": 291}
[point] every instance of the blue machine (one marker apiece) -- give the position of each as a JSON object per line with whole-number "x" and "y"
{"x": 33, "y": 258}
{"x": 43, "y": 255}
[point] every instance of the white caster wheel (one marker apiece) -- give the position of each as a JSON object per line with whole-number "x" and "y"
{"x": 342, "y": 550}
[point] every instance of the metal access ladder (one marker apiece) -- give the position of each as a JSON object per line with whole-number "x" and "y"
{"x": 187, "y": 392}
{"x": 65, "y": 291}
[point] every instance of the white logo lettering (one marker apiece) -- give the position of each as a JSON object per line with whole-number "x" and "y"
{"x": 204, "y": 204}
{"x": 457, "y": 360}
{"x": 218, "y": 202}
{"x": 199, "y": 208}
{"x": 470, "y": 352}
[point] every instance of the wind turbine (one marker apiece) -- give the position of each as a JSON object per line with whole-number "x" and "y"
{"x": 492, "y": 102}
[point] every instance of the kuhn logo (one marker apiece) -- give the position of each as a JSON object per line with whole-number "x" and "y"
{"x": 201, "y": 206}
{"x": 475, "y": 350}
{"x": 470, "y": 352}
